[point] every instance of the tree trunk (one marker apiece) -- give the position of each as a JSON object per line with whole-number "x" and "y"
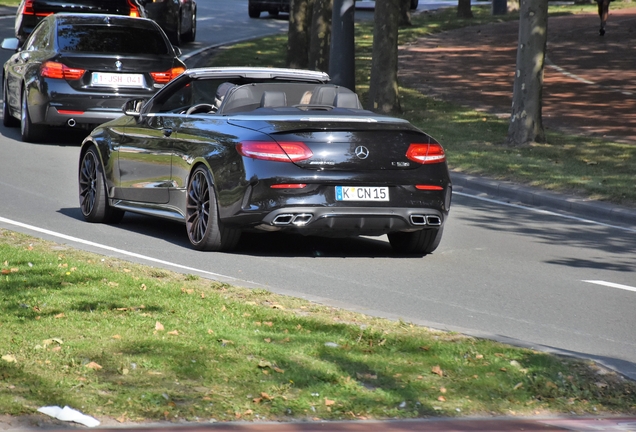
{"x": 298, "y": 34}
{"x": 405, "y": 13}
{"x": 383, "y": 88}
{"x": 320, "y": 40}
{"x": 526, "y": 125}
{"x": 464, "y": 9}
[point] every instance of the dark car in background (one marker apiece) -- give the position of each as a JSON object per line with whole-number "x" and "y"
{"x": 77, "y": 70}
{"x": 232, "y": 150}
{"x": 31, "y": 12}
{"x": 176, "y": 17}
{"x": 273, "y": 7}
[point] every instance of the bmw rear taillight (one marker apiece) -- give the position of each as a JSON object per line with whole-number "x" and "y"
{"x": 274, "y": 151}
{"x": 134, "y": 10}
{"x": 426, "y": 153}
{"x": 167, "y": 76}
{"x": 57, "y": 70}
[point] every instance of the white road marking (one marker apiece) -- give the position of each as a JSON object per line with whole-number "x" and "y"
{"x": 546, "y": 212}
{"x": 611, "y": 285}
{"x": 216, "y": 276}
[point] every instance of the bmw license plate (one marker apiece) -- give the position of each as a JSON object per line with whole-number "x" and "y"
{"x": 117, "y": 80}
{"x": 362, "y": 193}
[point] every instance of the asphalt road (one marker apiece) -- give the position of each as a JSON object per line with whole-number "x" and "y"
{"x": 503, "y": 271}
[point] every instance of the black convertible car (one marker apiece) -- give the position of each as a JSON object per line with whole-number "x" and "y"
{"x": 227, "y": 150}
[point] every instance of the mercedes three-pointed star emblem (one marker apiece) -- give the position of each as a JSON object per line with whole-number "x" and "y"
{"x": 362, "y": 152}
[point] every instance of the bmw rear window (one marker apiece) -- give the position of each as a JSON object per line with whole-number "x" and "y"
{"x": 110, "y": 40}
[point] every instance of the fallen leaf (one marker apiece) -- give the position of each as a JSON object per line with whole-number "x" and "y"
{"x": 268, "y": 340}
{"x": 6, "y": 271}
{"x": 116, "y": 336}
{"x": 518, "y": 386}
{"x": 93, "y": 365}
{"x": 479, "y": 356}
{"x": 268, "y": 323}
{"x": 210, "y": 331}
{"x": 329, "y": 402}
{"x": 503, "y": 369}
{"x": 257, "y": 400}
{"x": 158, "y": 326}
{"x": 9, "y": 358}
{"x": 437, "y": 370}
{"x": 174, "y": 332}
{"x": 266, "y": 396}
{"x": 60, "y": 315}
{"x": 441, "y": 398}
{"x": 279, "y": 370}
{"x": 264, "y": 364}
{"x": 442, "y": 390}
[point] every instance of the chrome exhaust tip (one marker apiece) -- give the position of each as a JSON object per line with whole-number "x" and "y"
{"x": 71, "y": 122}
{"x": 302, "y": 219}
{"x": 283, "y": 219}
{"x": 418, "y": 219}
{"x": 433, "y": 220}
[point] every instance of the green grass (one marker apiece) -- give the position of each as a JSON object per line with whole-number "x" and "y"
{"x": 581, "y": 165}
{"x": 134, "y": 343}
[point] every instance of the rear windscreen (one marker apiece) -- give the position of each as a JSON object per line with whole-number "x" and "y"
{"x": 111, "y": 40}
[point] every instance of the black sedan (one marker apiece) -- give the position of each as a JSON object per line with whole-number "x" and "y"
{"x": 229, "y": 150}
{"x": 31, "y": 12}
{"x": 77, "y": 70}
{"x": 178, "y": 18}
{"x": 273, "y": 7}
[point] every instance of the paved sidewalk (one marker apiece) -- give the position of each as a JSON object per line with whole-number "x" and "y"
{"x": 545, "y": 424}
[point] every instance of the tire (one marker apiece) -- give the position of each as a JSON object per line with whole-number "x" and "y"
{"x": 205, "y": 230}
{"x": 192, "y": 34}
{"x": 7, "y": 119}
{"x": 418, "y": 242}
{"x": 92, "y": 191}
{"x": 414, "y": 4}
{"x": 253, "y": 11}
{"x": 30, "y": 132}
{"x": 175, "y": 36}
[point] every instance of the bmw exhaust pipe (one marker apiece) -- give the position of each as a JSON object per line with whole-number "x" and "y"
{"x": 71, "y": 122}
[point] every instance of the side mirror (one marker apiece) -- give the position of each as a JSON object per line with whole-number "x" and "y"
{"x": 11, "y": 44}
{"x": 177, "y": 51}
{"x": 132, "y": 107}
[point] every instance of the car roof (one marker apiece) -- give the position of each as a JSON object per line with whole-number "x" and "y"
{"x": 259, "y": 73}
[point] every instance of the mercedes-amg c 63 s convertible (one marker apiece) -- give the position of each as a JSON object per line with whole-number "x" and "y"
{"x": 232, "y": 150}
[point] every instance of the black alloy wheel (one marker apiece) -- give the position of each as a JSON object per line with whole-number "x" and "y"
{"x": 253, "y": 11}
{"x": 7, "y": 119}
{"x": 175, "y": 36}
{"x": 30, "y": 132}
{"x": 418, "y": 242}
{"x": 205, "y": 230}
{"x": 92, "y": 191}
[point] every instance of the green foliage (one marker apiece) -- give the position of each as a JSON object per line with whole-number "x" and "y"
{"x": 124, "y": 341}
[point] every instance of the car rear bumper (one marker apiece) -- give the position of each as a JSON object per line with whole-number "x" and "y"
{"x": 351, "y": 221}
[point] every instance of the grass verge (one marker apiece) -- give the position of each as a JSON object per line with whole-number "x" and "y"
{"x": 123, "y": 341}
{"x": 580, "y": 165}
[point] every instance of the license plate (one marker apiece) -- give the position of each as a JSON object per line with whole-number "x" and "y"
{"x": 364, "y": 193}
{"x": 117, "y": 80}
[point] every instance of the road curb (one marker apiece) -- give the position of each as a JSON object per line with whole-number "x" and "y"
{"x": 536, "y": 197}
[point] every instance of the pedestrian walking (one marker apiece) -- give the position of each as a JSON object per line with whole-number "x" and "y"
{"x": 603, "y": 12}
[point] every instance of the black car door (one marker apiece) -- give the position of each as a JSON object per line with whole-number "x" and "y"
{"x": 145, "y": 155}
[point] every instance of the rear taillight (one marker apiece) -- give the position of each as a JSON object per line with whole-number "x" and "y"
{"x": 271, "y": 150}
{"x": 28, "y": 8}
{"x": 426, "y": 153}
{"x": 57, "y": 70}
{"x": 134, "y": 10}
{"x": 428, "y": 187}
{"x": 289, "y": 186}
{"x": 167, "y": 76}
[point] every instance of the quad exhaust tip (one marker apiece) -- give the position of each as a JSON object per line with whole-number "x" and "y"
{"x": 296, "y": 219}
{"x": 430, "y": 220}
